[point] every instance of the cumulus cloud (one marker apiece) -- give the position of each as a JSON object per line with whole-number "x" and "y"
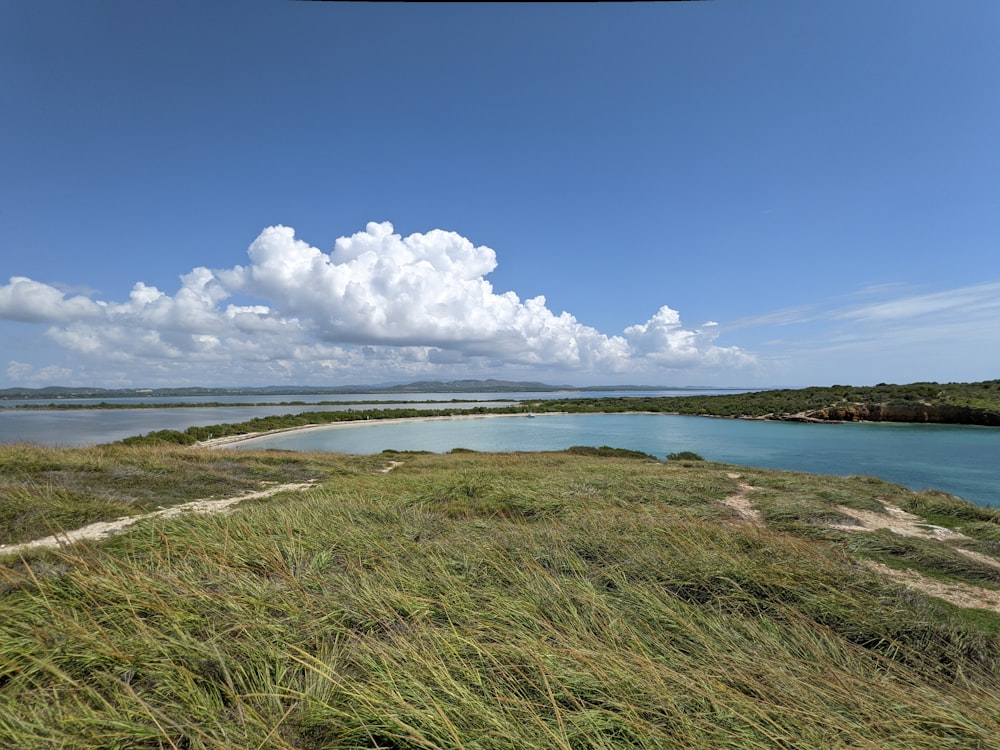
{"x": 22, "y": 372}
{"x": 377, "y": 301}
{"x": 29, "y": 301}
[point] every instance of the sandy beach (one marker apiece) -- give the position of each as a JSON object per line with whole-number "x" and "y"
{"x": 232, "y": 439}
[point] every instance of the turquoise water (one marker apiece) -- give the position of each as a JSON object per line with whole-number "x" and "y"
{"x": 963, "y": 461}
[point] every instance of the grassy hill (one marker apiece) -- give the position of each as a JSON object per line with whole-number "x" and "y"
{"x": 579, "y": 599}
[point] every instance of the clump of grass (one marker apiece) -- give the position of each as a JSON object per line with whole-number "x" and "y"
{"x": 684, "y": 456}
{"x": 952, "y": 512}
{"x": 424, "y": 608}
{"x": 926, "y": 556}
{"x": 798, "y": 513}
{"x": 606, "y": 451}
{"x": 808, "y": 504}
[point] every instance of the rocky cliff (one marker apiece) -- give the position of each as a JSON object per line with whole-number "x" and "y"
{"x": 898, "y": 413}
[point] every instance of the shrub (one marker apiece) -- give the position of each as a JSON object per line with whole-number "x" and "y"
{"x": 684, "y": 456}
{"x": 606, "y": 451}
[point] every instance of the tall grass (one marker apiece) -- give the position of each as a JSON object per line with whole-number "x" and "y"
{"x": 485, "y": 601}
{"x": 44, "y": 490}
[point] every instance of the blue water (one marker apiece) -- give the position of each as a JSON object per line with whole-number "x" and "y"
{"x": 963, "y": 461}
{"x": 354, "y": 398}
{"x": 76, "y": 427}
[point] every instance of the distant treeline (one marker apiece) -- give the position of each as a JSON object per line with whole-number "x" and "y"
{"x": 789, "y": 402}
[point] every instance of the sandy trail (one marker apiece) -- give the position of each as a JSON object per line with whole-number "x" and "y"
{"x": 740, "y": 502}
{"x": 105, "y": 529}
{"x": 899, "y": 522}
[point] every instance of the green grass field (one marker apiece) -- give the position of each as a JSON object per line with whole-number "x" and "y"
{"x": 579, "y": 599}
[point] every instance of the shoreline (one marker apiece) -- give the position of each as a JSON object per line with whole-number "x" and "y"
{"x": 797, "y": 418}
{"x": 222, "y": 442}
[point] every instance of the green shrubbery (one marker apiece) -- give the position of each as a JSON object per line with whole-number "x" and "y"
{"x": 684, "y": 456}
{"x": 984, "y": 396}
{"x": 606, "y": 451}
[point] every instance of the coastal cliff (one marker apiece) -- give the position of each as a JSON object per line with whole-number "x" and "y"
{"x": 878, "y": 412}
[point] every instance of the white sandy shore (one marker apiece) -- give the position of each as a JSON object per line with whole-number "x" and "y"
{"x": 231, "y": 439}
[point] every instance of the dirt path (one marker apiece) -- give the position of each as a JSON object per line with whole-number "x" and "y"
{"x": 740, "y": 502}
{"x": 105, "y": 529}
{"x": 899, "y": 522}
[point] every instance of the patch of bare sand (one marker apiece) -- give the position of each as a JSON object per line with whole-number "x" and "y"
{"x": 897, "y": 521}
{"x": 900, "y": 522}
{"x": 740, "y": 502}
{"x": 105, "y": 529}
{"x": 959, "y": 594}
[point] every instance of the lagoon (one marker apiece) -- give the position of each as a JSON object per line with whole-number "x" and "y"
{"x": 89, "y": 424}
{"x": 961, "y": 460}
{"x": 79, "y": 427}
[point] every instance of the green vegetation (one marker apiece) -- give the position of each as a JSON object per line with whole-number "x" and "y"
{"x": 44, "y": 490}
{"x": 590, "y": 598}
{"x": 684, "y": 456}
{"x": 606, "y": 451}
{"x": 982, "y": 400}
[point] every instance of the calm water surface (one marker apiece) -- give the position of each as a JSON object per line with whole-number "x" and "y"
{"x": 964, "y": 461}
{"x": 74, "y": 427}
{"x": 354, "y": 398}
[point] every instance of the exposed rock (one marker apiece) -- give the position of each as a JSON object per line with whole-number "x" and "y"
{"x": 898, "y": 413}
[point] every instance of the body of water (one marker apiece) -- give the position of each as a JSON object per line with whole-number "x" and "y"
{"x": 354, "y": 398}
{"x": 76, "y": 427}
{"x": 82, "y": 426}
{"x": 963, "y": 461}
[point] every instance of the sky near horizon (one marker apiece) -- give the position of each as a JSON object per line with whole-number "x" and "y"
{"x": 727, "y": 193}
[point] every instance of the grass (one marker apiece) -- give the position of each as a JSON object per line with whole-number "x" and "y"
{"x": 45, "y": 490}
{"x": 474, "y": 600}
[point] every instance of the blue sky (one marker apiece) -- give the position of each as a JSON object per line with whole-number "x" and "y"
{"x": 767, "y": 193}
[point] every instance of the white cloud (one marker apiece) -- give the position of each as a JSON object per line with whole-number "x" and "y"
{"x": 22, "y": 372}
{"x": 887, "y": 333}
{"x": 379, "y": 302}
{"x": 29, "y": 301}
{"x": 663, "y": 339}
{"x": 964, "y": 303}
